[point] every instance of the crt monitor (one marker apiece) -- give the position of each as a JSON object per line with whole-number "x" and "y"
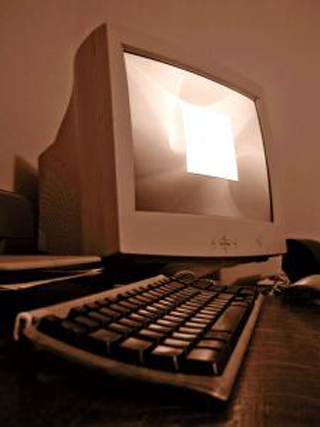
{"x": 161, "y": 152}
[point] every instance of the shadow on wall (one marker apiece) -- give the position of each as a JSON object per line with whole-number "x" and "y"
{"x": 26, "y": 184}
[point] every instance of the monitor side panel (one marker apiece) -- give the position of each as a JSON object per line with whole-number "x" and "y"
{"x": 78, "y": 202}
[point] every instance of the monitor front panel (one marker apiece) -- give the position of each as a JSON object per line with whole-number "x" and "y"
{"x": 192, "y": 170}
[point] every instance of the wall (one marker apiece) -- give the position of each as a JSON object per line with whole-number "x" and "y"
{"x": 274, "y": 42}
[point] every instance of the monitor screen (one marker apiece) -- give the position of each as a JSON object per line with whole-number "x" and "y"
{"x": 197, "y": 144}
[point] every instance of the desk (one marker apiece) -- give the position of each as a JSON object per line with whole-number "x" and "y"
{"x": 279, "y": 385}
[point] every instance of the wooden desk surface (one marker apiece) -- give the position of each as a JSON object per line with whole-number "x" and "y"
{"x": 279, "y": 385}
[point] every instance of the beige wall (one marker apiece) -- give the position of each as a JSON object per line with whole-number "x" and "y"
{"x": 274, "y": 42}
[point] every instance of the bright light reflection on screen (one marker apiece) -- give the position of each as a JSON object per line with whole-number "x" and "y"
{"x": 210, "y": 148}
{"x": 197, "y": 144}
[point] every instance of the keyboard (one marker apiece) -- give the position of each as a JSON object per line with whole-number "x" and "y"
{"x": 176, "y": 330}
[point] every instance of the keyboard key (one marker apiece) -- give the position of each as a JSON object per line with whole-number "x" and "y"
{"x": 240, "y": 304}
{"x": 195, "y": 325}
{"x": 162, "y": 308}
{"x": 184, "y": 336}
{"x": 186, "y": 278}
{"x": 131, "y": 323}
{"x": 149, "y": 334}
{"x": 166, "y": 323}
{"x": 184, "y": 310}
{"x": 203, "y": 361}
{"x": 138, "y": 318}
{"x": 120, "y": 308}
{"x": 191, "y": 305}
{"x": 119, "y": 327}
{"x": 102, "y": 339}
{"x": 112, "y": 299}
{"x": 176, "y": 343}
{"x": 225, "y": 297}
{"x": 210, "y": 311}
{"x": 200, "y": 320}
{"x": 137, "y": 303}
{"x": 150, "y": 295}
{"x": 173, "y": 319}
{"x": 73, "y": 328}
{"x": 177, "y": 313}
{"x": 155, "y": 310}
{"x": 189, "y": 292}
{"x": 101, "y": 318}
{"x": 193, "y": 330}
{"x": 159, "y": 328}
{"x": 155, "y": 293}
{"x": 130, "y": 293}
{"x": 172, "y": 300}
{"x": 218, "y": 335}
{"x": 144, "y": 298}
{"x": 217, "y": 305}
{"x": 163, "y": 304}
{"x": 206, "y": 316}
{"x": 212, "y": 344}
{"x": 89, "y": 322}
{"x": 166, "y": 356}
{"x": 134, "y": 348}
{"x": 147, "y": 314}
{"x": 230, "y": 319}
{"x": 63, "y": 329}
{"x": 76, "y": 311}
{"x": 128, "y": 304}
{"x": 109, "y": 312}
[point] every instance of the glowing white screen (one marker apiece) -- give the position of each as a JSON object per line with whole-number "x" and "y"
{"x": 210, "y": 148}
{"x": 197, "y": 144}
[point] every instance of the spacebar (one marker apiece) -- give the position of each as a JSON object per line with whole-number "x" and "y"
{"x": 230, "y": 319}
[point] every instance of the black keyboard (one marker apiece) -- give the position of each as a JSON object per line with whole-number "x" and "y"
{"x": 175, "y": 330}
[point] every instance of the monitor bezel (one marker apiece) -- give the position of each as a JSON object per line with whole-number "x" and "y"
{"x": 184, "y": 235}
